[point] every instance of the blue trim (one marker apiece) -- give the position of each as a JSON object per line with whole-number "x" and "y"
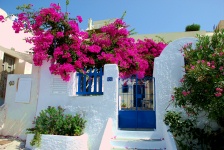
{"x": 140, "y": 112}
{"x": 95, "y": 81}
{"x": 85, "y": 82}
{"x": 137, "y": 119}
{"x": 101, "y": 80}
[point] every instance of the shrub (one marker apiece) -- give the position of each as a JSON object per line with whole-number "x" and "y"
{"x": 193, "y": 27}
{"x": 201, "y": 94}
{"x": 190, "y": 137}
{"x": 187, "y": 135}
{"x": 53, "y": 121}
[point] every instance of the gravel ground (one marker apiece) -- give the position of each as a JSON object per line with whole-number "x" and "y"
{"x": 11, "y": 143}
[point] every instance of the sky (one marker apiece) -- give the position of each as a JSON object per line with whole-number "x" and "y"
{"x": 145, "y": 16}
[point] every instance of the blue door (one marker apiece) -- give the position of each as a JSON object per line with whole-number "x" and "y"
{"x": 137, "y": 103}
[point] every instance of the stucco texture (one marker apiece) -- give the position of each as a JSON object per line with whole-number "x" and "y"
{"x": 57, "y": 142}
{"x": 95, "y": 109}
{"x": 168, "y": 70}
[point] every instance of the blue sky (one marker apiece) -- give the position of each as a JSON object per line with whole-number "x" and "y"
{"x": 146, "y": 16}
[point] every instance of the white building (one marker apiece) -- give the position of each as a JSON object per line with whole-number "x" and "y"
{"x": 14, "y": 58}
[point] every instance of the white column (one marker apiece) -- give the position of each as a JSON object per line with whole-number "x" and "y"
{"x": 110, "y": 84}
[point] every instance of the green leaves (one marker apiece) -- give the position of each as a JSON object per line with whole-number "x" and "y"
{"x": 193, "y": 27}
{"x": 201, "y": 92}
{"x": 67, "y": 2}
{"x": 53, "y": 121}
{"x": 186, "y": 134}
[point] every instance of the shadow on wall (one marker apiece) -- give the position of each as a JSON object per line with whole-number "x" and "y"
{"x": 17, "y": 127}
{"x": 22, "y": 67}
{"x": 21, "y": 106}
{"x": 1, "y": 61}
{"x": 1, "y": 101}
{"x": 2, "y": 116}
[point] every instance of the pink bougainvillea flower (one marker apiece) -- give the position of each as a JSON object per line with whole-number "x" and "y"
{"x": 79, "y": 18}
{"x": 60, "y": 41}
{"x": 55, "y": 6}
{"x": 94, "y": 48}
{"x": 59, "y": 34}
{"x": 2, "y": 19}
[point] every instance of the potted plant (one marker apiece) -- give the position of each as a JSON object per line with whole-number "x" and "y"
{"x": 192, "y": 27}
{"x": 123, "y": 105}
{"x": 54, "y": 129}
{"x": 125, "y": 87}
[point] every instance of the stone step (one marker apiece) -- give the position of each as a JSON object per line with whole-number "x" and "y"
{"x": 138, "y": 144}
{"x": 136, "y": 134}
{"x": 132, "y": 149}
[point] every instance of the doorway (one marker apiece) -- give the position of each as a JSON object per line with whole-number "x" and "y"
{"x": 137, "y": 103}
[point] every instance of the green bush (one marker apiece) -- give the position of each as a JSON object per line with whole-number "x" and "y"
{"x": 187, "y": 135}
{"x": 53, "y": 121}
{"x": 190, "y": 137}
{"x": 201, "y": 95}
{"x": 193, "y": 27}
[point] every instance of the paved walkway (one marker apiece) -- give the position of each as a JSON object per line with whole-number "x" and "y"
{"x": 11, "y": 143}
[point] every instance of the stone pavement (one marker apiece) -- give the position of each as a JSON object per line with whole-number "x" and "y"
{"x": 11, "y": 143}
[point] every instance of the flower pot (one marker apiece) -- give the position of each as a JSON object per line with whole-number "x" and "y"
{"x": 124, "y": 88}
{"x": 54, "y": 142}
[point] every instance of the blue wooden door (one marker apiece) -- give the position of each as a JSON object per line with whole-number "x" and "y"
{"x": 137, "y": 104}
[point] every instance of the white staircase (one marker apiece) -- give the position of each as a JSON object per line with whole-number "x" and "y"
{"x": 137, "y": 140}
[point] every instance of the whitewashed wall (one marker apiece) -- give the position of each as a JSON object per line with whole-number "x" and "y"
{"x": 95, "y": 109}
{"x": 19, "y": 114}
{"x": 168, "y": 70}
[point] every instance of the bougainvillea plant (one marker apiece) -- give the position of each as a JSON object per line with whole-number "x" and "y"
{"x": 58, "y": 39}
{"x": 55, "y": 38}
{"x": 114, "y": 46}
{"x": 149, "y": 49}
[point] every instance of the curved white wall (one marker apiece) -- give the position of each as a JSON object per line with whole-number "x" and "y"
{"x": 3, "y": 13}
{"x": 168, "y": 70}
